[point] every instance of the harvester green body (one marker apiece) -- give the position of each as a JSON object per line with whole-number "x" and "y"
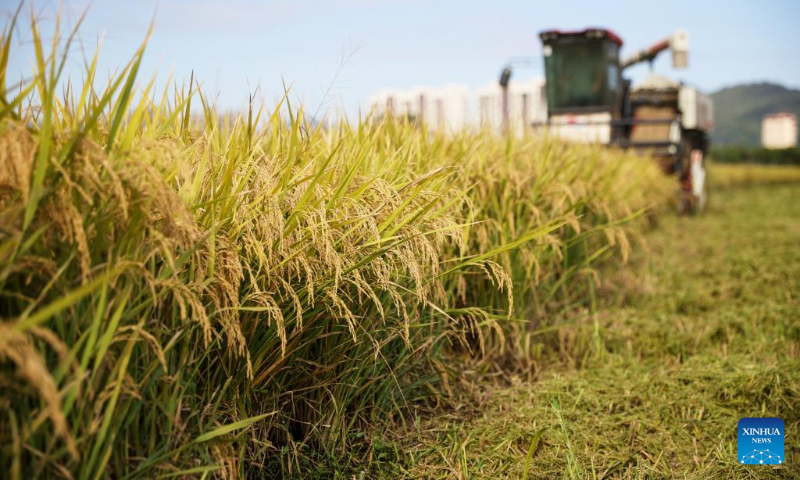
{"x": 589, "y": 100}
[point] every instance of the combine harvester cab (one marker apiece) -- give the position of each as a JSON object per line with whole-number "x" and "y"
{"x": 584, "y": 88}
{"x": 589, "y": 101}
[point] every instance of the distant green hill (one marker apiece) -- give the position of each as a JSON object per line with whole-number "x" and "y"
{"x": 738, "y": 111}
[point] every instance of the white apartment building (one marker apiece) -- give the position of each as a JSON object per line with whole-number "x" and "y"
{"x": 527, "y": 104}
{"x": 779, "y": 130}
{"x": 445, "y": 108}
{"x": 454, "y": 107}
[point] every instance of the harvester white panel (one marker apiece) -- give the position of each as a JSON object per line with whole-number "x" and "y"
{"x": 582, "y": 128}
{"x": 697, "y": 112}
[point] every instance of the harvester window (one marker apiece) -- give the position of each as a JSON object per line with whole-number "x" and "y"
{"x": 576, "y": 75}
{"x": 613, "y": 76}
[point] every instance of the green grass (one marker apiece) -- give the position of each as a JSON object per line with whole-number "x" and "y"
{"x": 695, "y": 335}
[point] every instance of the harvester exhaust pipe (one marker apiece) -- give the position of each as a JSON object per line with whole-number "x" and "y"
{"x": 678, "y": 43}
{"x": 505, "y": 78}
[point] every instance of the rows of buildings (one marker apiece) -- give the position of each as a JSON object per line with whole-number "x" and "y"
{"x": 454, "y": 107}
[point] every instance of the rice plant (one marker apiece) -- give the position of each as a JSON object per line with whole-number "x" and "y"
{"x": 184, "y": 292}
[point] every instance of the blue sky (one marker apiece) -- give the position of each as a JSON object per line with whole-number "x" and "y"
{"x": 335, "y": 53}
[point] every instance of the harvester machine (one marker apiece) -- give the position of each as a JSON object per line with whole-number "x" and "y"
{"x": 589, "y": 100}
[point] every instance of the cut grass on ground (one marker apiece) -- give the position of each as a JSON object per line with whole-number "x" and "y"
{"x": 699, "y": 333}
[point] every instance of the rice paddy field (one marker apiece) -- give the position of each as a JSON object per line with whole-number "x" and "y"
{"x": 737, "y": 175}
{"x": 191, "y": 294}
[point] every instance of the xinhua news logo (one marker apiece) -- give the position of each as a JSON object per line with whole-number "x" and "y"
{"x": 761, "y": 441}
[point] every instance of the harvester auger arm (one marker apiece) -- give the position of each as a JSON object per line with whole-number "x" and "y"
{"x": 678, "y": 42}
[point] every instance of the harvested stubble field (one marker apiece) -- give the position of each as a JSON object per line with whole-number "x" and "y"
{"x": 190, "y": 294}
{"x": 698, "y": 331}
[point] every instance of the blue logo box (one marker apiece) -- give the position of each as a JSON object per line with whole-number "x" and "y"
{"x": 761, "y": 441}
